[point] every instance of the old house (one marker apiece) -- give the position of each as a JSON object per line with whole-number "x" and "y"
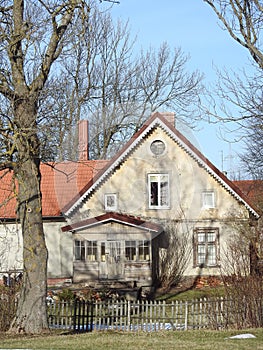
{"x": 107, "y": 220}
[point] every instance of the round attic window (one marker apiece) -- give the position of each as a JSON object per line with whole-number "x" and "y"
{"x": 157, "y": 147}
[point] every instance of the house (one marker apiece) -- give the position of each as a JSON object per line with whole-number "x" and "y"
{"x": 107, "y": 221}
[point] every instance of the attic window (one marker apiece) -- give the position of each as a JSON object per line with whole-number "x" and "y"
{"x": 110, "y": 201}
{"x": 157, "y": 147}
{"x": 208, "y": 199}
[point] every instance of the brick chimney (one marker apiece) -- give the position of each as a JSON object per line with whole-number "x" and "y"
{"x": 83, "y": 128}
{"x": 169, "y": 116}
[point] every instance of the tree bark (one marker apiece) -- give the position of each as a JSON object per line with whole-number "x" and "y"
{"x": 31, "y": 316}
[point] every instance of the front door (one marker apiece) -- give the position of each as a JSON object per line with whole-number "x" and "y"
{"x": 112, "y": 266}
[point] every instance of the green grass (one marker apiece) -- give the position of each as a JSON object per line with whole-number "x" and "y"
{"x": 193, "y": 294}
{"x": 165, "y": 340}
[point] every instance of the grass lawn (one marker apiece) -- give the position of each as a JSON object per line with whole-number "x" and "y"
{"x": 165, "y": 340}
{"x": 193, "y": 294}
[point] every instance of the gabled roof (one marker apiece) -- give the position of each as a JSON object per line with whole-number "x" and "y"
{"x": 114, "y": 217}
{"x": 158, "y": 120}
{"x": 60, "y": 182}
{"x": 66, "y": 185}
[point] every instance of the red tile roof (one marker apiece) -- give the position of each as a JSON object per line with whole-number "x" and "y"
{"x": 59, "y": 183}
{"x": 253, "y": 189}
{"x": 7, "y": 195}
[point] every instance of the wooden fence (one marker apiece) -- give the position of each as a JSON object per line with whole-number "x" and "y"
{"x": 216, "y": 313}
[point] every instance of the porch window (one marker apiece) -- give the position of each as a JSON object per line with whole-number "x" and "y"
{"x": 86, "y": 250}
{"x": 79, "y": 250}
{"x": 206, "y": 247}
{"x": 103, "y": 252}
{"x": 158, "y": 185}
{"x": 92, "y": 250}
{"x": 144, "y": 250}
{"x": 130, "y": 250}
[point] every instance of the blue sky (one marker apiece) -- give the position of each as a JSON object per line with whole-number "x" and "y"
{"x": 193, "y": 26}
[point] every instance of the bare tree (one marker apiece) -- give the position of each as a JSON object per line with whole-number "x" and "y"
{"x": 117, "y": 89}
{"x": 243, "y": 19}
{"x": 242, "y": 275}
{"x": 175, "y": 257}
{"x": 33, "y": 36}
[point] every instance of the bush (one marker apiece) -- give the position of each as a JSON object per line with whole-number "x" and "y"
{"x": 8, "y": 304}
{"x": 66, "y": 295}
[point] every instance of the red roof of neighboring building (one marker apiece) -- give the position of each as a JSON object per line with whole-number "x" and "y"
{"x": 60, "y": 182}
{"x": 253, "y": 189}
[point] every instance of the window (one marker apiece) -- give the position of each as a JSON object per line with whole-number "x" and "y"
{"x": 137, "y": 250}
{"x": 130, "y": 250}
{"x": 144, "y": 250}
{"x": 91, "y": 250}
{"x": 208, "y": 199}
{"x": 110, "y": 201}
{"x": 158, "y": 185}
{"x": 86, "y": 250}
{"x": 103, "y": 252}
{"x": 79, "y": 250}
{"x": 206, "y": 247}
{"x": 157, "y": 147}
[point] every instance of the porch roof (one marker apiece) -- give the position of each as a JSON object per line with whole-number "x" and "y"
{"x": 114, "y": 217}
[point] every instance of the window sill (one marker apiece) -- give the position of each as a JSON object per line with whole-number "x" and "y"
{"x": 159, "y": 208}
{"x": 207, "y": 266}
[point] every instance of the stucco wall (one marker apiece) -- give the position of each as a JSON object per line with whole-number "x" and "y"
{"x": 188, "y": 180}
{"x": 59, "y": 245}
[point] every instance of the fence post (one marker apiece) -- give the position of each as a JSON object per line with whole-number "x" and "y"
{"x": 129, "y": 314}
{"x": 75, "y": 315}
{"x": 186, "y": 316}
{"x": 91, "y": 315}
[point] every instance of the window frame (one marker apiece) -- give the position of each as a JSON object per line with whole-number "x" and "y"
{"x": 206, "y": 244}
{"x": 88, "y": 250}
{"x": 91, "y": 251}
{"x": 137, "y": 251}
{"x": 204, "y": 199}
{"x": 130, "y": 250}
{"x": 159, "y": 176}
{"x": 143, "y": 250}
{"x": 79, "y": 250}
{"x": 106, "y": 203}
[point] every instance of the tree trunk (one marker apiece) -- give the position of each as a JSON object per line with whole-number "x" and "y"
{"x": 31, "y": 316}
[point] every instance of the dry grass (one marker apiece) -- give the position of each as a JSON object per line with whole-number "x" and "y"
{"x": 133, "y": 341}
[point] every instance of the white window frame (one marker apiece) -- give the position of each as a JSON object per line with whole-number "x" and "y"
{"x": 208, "y": 199}
{"x": 158, "y": 204}
{"x": 110, "y": 201}
{"x": 79, "y": 250}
